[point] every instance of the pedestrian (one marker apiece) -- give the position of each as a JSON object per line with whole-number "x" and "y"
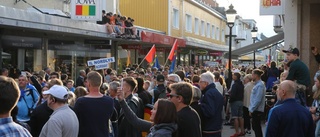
{"x": 248, "y": 86}
{"x": 9, "y": 95}
{"x": 257, "y": 102}
{"x": 289, "y": 119}
{"x": 211, "y": 104}
{"x": 94, "y": 110}
{"x": 63, "y": 122}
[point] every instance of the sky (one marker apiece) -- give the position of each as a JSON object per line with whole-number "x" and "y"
{"x": 249, "y": 9}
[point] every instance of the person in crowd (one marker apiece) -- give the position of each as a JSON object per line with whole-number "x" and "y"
{"x": 316, "y": 104}
{"x": 9, "y": 96}
{"x": 80, "y": 79}
{"x": 107, "y": 77}
{"x": 264, "y": 76}
{"x": 42, "y": 113}
{"x": 195, "y": 80}
{"x": 71, "y": 99}
{"x": 160, "y": 89}
{"x": 219, "y": 86}
{"x": 236, "y": 103}
{"x": 257, "y": 102}
{"x": 113, "y": 91}
{"x": 47, "y": 71}
{"x": 273, "y": 74}
{"x": 248, "y": 86}
{"x": 63, "y": 122}
{"x": 80, "y": 92}
{"x": 189, "y": 122}
{"x": 211, "y": 104}
{"x": 135, "y": 104}
{"x": 4, "y": 72}
{"x": 28, "y": 100}
{"x": 64, "y": 79}
{"x": 104, "y": 88}
{"x": 181, "y": 74}
{"x": 172, "y": 78}
{"x": 289, "y": 119}
{"x": 70, "y": 84}
{"x": 146, "y": 85}
{"x": 163, "y": 117}
{"x": 143, "y": 94}
{"x": 298, "y": 72}
{"x": 94, "y": 104}
{"x": 316, "y": 54}
{"x": 54, "y": 75}
{"x": 195, "y": 103}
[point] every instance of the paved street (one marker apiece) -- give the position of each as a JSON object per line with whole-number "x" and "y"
{"x": 229, "y": 130}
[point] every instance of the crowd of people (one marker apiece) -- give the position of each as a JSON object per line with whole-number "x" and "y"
{"x": 192, "y": 101}
{"x": 120, "y": 26}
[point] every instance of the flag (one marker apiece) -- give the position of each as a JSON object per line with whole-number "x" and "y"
{"x": 156, "y": 63}
{"x": 173, "y": 63}
{"x": 151, "y": 54}
{"x": 173, "y": 50}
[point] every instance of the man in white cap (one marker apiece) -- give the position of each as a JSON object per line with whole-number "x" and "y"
{"x": 63, "y": 122}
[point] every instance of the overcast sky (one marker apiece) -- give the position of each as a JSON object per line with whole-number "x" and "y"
{"x": 249, "y": 9}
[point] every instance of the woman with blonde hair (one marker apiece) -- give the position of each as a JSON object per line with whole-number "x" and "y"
{"x": 248, "y": 86}
{"x": 316, "y": 104}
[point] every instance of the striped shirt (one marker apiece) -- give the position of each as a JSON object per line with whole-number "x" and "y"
{"x": 8, "y": 128}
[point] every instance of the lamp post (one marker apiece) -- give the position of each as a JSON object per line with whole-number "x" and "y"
{"x": 231, "y": 17}
{"x": 254, "y": 33}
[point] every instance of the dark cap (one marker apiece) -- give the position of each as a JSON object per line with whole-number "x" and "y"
{"x": 292, "y": 50}
{"x": 160, "y": 78}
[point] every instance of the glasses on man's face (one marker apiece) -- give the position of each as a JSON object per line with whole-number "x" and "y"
{"x": 172, "y": 95}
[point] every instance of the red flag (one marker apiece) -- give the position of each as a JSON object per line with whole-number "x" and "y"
{"x": 174, "y": 48}
{"x": 151, "y": 54}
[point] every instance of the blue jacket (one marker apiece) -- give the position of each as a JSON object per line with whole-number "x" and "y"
{"x": 257, "y": 98}
{"x": 290, "y": 119}
{"x": 211, "y": 105}
{"x": 29, "y": 98}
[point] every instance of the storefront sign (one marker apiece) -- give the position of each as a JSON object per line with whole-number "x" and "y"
{"x": 98, "y": 42}
{"x": 212, "y": 64}
{"x": 86, "y": 10}
{"x": 21, "y": 42}
{"x": 100, "y": 61}
{"x": 215, "y": 53}
{"x": 201, "y": 52}
{"x": 272, "y": 7}
{"x": 131, "y": 46}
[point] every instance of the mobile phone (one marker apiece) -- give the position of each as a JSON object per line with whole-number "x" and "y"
{"x": 23, "y": 73}
{"x": 121, "y": 84}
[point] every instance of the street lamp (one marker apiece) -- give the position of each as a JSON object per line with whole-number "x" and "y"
{"x": 254, "y": 33}
{"x": 231, "y": 17}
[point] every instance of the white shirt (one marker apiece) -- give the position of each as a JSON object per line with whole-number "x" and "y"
{"x": 219, "y": 87}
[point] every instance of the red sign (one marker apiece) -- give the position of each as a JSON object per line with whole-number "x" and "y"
{"x": 215, "y": 53}
{"x": 161, "y": 39}
{"x": 131, "y": 46}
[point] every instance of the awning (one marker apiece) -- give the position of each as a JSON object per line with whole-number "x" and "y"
{"x": 250, "y": 48}
{"x": 156, "y": 38}
{"x": 197, "y": 43}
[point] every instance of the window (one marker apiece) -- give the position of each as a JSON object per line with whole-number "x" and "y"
{"x": 218, "y": 34}
{"x": 202, "y": 28}
{"x": 176, "y": 18}
{"x": 188, "y": 23}
{"x": 208, "y": 30}
{"x": 212, "y": 33}
{"x": 223, "y": 37}
{"x": 196, "y": 26}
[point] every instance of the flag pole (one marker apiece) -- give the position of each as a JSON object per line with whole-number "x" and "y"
{"x": 144, "y": 58}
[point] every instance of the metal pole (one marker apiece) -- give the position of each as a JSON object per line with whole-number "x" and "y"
{"x": 230, "y": 44}
{"x": 254, "y": 55}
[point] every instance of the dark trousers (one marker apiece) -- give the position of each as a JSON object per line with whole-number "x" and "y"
{"x": 246, "y": 118}
{"x": 211, "y": 135}
{"x": 256, "y": 123}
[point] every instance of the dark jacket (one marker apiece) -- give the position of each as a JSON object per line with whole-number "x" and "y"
{"x": 237, "y": 91}
{"x": 211, "y": 105}
{"x": 159, "y": 90}
{"x": 79, "y": 81}
{"x": 290, "y": 119}
{"x": 125, "y": 128}
{"x": 39, "y": 117}
{"x": 163, "y": 130}
{"x": 196, "y": 106}
{"x": 145, "y": 96}
{"x": 189, "y": 124}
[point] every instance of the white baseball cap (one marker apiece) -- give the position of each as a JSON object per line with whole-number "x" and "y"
{"x": 57, "y": 91}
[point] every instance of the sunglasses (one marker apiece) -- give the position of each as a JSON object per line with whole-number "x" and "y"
{"x": 172, "y": 95}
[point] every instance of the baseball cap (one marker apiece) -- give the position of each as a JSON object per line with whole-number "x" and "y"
{"x": 292, "y": 50}
{"x": 57, "y": 91}
{"x": 160, "y": 78}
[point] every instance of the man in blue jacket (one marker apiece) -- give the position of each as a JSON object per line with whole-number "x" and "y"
{"x": 289, "y": 119}
{"x": 211, "y": 104}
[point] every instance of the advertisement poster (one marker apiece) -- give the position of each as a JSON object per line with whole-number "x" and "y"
{"x": 271, "y": 7}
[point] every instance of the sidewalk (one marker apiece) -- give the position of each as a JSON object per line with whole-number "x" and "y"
{"x": 227, "y": 131}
